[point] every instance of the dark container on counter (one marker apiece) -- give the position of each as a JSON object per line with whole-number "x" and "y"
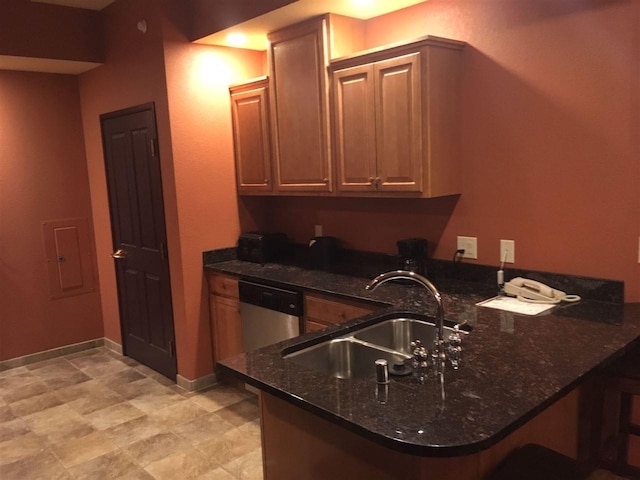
{"x": 261, "y": 247}
{"x": 324, "y": 251}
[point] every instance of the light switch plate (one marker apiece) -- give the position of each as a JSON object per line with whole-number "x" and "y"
{"x": 469, "y": 245}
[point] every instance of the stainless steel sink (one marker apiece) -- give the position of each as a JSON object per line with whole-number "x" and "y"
{"x": 353, "y": 355}
{"x": 343, "y": 358}
{"x": 398, "y": 333}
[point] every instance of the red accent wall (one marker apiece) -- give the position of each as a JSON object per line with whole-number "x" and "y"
{"x": 41, "y": 155}
{"x": 189, "y": 85}
{"x": 198, "y": 79}
{"x": 550, "y": 141}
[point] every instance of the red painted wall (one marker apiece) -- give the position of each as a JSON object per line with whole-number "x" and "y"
{"x": 41, "y": 155}
{"x": 189, "y": 85}
{"x": 133, "y": 74}
{"x": 550, "y": 141}
{"x": 198, "y": 79}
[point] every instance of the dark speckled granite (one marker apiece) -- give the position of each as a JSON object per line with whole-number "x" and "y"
{"x": 368, "y": 264}
{"x": 514, "y": 366}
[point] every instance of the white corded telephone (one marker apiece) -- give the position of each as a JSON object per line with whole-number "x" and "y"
{"x": 527, "y": 290}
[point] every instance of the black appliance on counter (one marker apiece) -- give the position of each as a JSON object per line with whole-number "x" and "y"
{"x": 413, "y": 255}
{"x": 258, "y": 247}
{"x": 324, "y": 251}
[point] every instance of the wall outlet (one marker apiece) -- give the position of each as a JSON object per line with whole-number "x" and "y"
{"x": 507, "y": 251}
{"x": 318, "y": 231}
{"x": 470, "y": 247}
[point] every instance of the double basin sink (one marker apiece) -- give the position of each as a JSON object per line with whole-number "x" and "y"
{"x": 353, "y": 355}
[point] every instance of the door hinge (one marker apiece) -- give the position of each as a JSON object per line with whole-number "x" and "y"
{"x": 154, "y": 147}
{"x": 172, "y": 349}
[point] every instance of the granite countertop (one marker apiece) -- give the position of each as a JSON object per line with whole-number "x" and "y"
{"x": 513, "y": 366}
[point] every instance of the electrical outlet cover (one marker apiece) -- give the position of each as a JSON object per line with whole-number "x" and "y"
{"x": 470, "y": 247}
{"x": 507, "y": 251}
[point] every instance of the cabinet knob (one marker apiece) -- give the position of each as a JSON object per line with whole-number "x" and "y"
{"x": 378, "y": 180}
{"x": 325, "y": 180}
{"x": 266, "y": 181}
{"x": 371, "y": 179}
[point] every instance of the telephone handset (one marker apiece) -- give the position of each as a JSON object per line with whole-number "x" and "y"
{"x": 527, "y": 290}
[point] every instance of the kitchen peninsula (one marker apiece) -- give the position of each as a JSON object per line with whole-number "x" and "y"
{"x": 520, "y": 381}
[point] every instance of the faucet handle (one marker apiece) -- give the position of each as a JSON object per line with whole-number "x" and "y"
{"x": 420, "y": 355}
{"x": 454, "y": 348}
{"x": 455, "y": 339}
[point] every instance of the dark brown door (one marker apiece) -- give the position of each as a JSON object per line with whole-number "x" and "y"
{"x": 139, "y": 236}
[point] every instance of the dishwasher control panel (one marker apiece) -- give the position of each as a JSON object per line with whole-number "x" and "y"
{"x": 271, "y": 298}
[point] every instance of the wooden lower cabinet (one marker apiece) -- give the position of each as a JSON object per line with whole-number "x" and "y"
{"x": 227, "y": 326}
{"x": 299, "y": 444}
{"x": 224, "y": 314}
{"x": 322, "y": 311}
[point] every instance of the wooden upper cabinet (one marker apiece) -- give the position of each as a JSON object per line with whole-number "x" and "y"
{"x": 396, "y": 120}
{"x": 252, "y": 142}
{"x": 298, "y": 61}
{"x": 355, "y": 128}
{"x": 398, "y": 124}
{"x": 378, "y": 122}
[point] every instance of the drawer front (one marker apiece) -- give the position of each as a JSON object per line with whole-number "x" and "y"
{"x": 326, "y": 311}
{"x": 223, "y": 285}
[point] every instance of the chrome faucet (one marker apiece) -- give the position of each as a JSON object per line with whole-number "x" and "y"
{"x": 416, "y": 277}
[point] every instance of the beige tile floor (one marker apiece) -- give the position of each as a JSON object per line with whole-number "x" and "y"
{"x": 98, "y": 415}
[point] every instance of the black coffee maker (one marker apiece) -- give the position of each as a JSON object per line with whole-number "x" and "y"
{"x": 413, "y": 255}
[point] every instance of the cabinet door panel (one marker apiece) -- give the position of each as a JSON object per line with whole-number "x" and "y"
{"x": 226, "y": 326}
{"x": 251, "y": 139}
{"x": 354, "y": 121}
{"x": 298, "y": 63}
{"x": 398, "y": 123}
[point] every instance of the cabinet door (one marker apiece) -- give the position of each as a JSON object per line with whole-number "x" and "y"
{"x": 298, "y": 61}
{"x": 399, "y": 123}
{"x": 355, "y": 128}
{"x": 251, "y": 139}
{"x": 226, "y": 326}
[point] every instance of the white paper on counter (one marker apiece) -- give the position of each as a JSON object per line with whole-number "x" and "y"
{"x": 512, "y": 304}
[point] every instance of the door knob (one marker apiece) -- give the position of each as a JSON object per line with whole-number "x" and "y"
{"x": 118, "y": 254}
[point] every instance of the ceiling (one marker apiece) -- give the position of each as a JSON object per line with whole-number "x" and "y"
{"x": 88, "y": 4}
{"x": 255, "y": 30}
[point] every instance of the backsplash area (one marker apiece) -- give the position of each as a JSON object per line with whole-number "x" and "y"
{"x": 369, "y": 264}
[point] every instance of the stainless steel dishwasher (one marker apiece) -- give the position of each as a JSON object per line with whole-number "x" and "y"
{"x": 269, "y": 314}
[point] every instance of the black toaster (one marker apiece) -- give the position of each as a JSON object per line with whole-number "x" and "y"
{"x": 261, "y": 247}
